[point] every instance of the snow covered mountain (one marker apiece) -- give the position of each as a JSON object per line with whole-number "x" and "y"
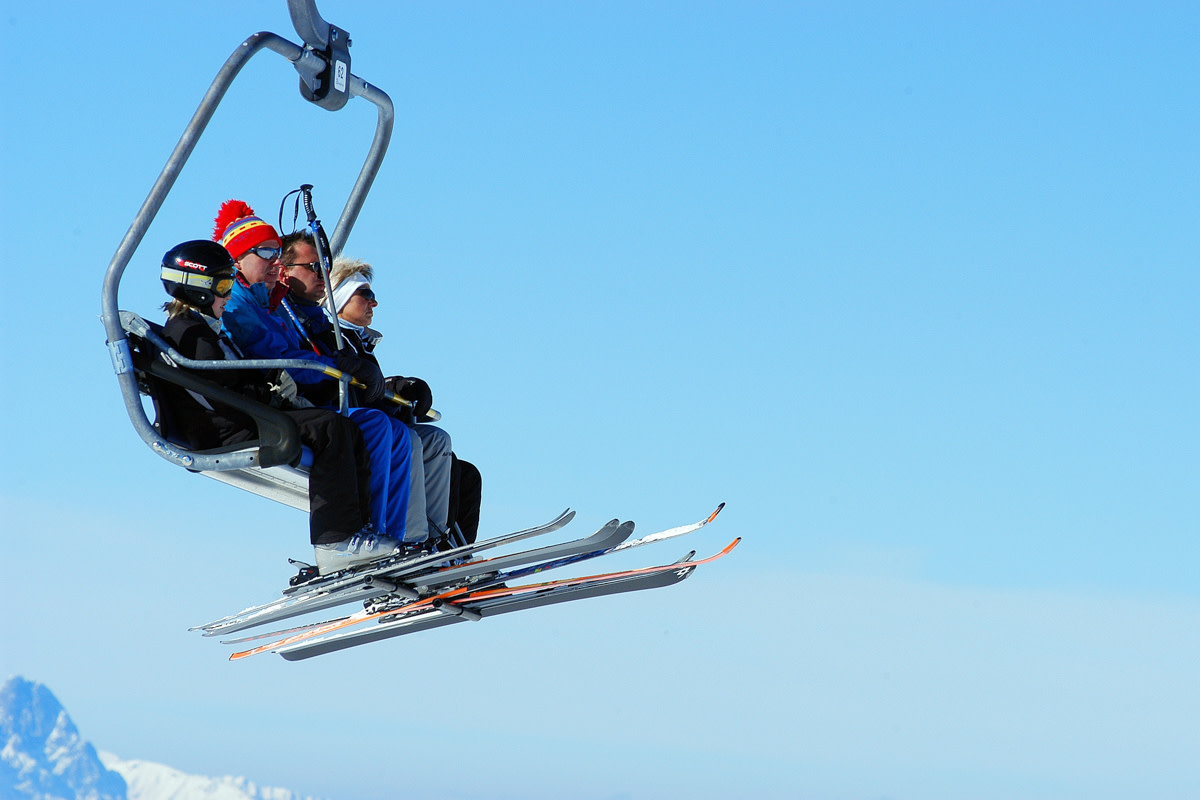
{"x": 43, "y": 757}
{"x": 150, "y": 781}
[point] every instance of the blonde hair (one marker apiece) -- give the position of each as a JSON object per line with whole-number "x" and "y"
{"x": 344, "y": 267}
{"x": 174, "y": 307}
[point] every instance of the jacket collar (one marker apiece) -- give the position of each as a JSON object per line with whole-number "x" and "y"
{"x": 258, "y": 292}
{"x": 369, "y": 336}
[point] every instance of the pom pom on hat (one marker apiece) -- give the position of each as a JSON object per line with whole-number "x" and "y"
{"x": 238, "y": 229}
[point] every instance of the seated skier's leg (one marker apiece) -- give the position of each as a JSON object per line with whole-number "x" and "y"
{"x": 377, "y": 435}
{"x": 338, "y": 481}
{"x": 415, "y": 524}
{"x": 435, "y": 460}
{"x": 388, "y": 482}
{"x": 466, "y": 494}
{"x": 401, "y": 495}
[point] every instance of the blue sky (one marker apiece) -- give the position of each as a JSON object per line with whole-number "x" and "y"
{"x": 912, "y": 289}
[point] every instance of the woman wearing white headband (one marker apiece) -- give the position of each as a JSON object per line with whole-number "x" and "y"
{"x": 431, "y": 458}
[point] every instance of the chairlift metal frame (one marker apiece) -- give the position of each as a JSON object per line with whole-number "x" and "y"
{"x": 323, "y": 63}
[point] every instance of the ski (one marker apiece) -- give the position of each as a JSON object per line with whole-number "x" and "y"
{"x": 437, "y": 618}
{"x": 404, "y": 566}
{"x": 661, "y": 536}
{"x": 494, "y": 576}
{"x": 468, "y": 603}
{"x": 610, "y": 534}
{"x": 275, "y": 634}
{"x": 603, "y": 540}
{"x": 369, "y": 580}
{"x": 403, "y": 579}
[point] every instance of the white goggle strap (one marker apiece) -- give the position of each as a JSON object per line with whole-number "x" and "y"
{"x": 187, "y": 278}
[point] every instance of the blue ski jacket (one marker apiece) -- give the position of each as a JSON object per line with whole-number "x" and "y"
{"x": 260, "y": 334}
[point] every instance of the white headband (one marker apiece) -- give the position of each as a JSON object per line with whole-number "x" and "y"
{"x": 346, "y": 289}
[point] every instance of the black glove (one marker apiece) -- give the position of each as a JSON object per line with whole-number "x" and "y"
{"x": 347, "y": 361}
{"x": 414, "y": 390}
{"x": 366, "y": 371}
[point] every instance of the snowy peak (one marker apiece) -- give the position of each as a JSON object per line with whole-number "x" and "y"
{"x": 150, "y": 781}
{"x": 41, "y": 752}
{"x": 43, "y": 757}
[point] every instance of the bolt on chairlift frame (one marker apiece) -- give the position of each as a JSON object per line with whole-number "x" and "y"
{"x": 262, "y": 467}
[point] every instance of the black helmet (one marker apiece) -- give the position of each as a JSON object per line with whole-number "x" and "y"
{"x": 198, "y": 271}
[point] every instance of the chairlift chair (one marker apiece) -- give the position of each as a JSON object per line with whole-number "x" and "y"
{"x": 274, "y": 465}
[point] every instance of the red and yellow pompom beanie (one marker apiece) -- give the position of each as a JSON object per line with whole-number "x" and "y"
{"x": 238, "y": 229}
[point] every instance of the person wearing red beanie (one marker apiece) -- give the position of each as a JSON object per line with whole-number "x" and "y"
{"x": 257, "y": 291}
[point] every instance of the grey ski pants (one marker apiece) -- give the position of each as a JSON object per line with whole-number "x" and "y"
{"x": 429, "y": 499}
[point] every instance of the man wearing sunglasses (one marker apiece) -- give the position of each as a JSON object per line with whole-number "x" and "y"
{"x": 257, "y": 292}
{"x": 437, "y": 474}
{"x": 300, "y": 271}
{"x": 302, "y": 307}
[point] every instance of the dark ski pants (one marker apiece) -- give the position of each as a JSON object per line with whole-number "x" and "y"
{"x": 339, "y": 480}
{"x": 466, "y": 493}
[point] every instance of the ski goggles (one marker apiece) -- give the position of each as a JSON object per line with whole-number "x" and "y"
{"x": 220, "y": 286}
{"x": 366, "y": 294}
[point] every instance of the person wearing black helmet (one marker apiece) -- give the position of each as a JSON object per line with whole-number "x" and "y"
{"x": 199, "y": 276}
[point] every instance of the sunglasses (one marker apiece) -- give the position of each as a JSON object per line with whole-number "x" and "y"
{"x": 266, "y": 253}
{"x": 311, "y": 266}
{"x": 366, "y": 294}
{"x": 222, "y": 287}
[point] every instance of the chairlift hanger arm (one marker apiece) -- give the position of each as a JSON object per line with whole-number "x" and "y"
{"x": 305, "y": 61}
{"x": 310, "y": 62}
{"x": 309, "y": 24}
{"x": 327, "y": 85}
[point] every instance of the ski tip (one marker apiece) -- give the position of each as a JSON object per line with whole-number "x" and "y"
{"x": 241, "y": 654}
{"x": 713, "y": 515}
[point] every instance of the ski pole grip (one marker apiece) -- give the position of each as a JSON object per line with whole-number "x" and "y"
{"x": 306, "y": 193}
